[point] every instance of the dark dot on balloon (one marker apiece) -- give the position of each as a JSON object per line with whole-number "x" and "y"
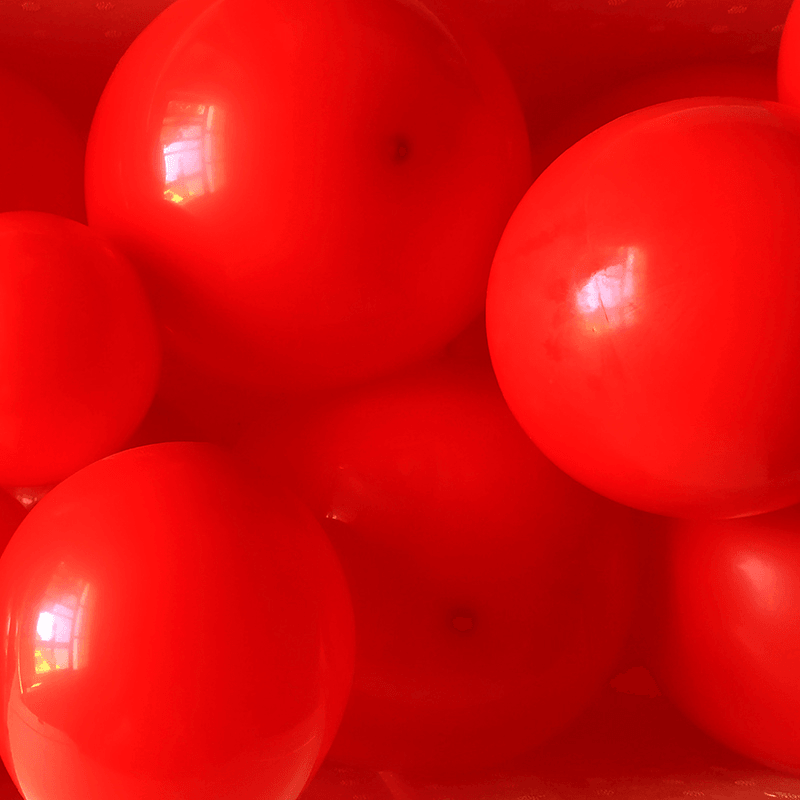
{"x": 463, "y": 622}
{"x": 401, "y": 150}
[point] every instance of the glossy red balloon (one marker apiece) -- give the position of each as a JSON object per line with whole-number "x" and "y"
{"x": 698, "y": 80}
{"x": 492, "y": 593}
{"x": 726, "y": 646}
{"x": 789, "y": 59}
{"x": 79, "y": 351}
{"x": 172, "y": 631}
{"x": 42, "y": 154}
{"x": 643, "y": 311}
{"x": 561, "y": 54}
{"x": 314, "y": 191}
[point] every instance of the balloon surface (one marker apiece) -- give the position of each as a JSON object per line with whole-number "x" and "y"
{"x": 789, "y": 59}
{"x": 697, "y": 80}
{"x": 632, "y": 334}
{"x": 173, "y": 631}
{"x": 313, "y": 191}
{"x": 492, "y": 593}
{"x": 726, "y": 643}
{"x": 79, "y": 349}
{"x": 42, "y": 153}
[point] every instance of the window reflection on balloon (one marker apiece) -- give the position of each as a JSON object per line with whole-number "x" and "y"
{"x": 60, "y": 639}
{"x": 610, "y": 292}
{"x": 190, "y": 143}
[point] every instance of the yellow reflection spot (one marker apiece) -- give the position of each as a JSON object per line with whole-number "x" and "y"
{"x": 60, "y": 629}
{"x": 41, "y": 663}
{"x": 191, "y": 144}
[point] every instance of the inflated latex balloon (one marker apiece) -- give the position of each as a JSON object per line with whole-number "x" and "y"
{"x": 42, "y": 154}
{"x": 492, "y": 593}
{"x": 313, "y": 191}
{"x": 725, "y": 641}
{"x": 173, "y": 631}
{"x": 79, "y": 349}
{"x": 643, "y": 312}
{"x": 789, "y": 59}
{"x": 698, "y": 80}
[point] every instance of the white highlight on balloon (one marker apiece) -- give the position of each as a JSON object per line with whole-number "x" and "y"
{"x": 611, "y": 290}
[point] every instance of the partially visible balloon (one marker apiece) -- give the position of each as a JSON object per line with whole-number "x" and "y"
{"x": 725, "y": 644}
{"x": 79, "y": 350}
{"x": 789, "y": 59}
{"x": 700, "y": 80}
{"x": 492, "y": 593}
{"x": 41, "y": 153}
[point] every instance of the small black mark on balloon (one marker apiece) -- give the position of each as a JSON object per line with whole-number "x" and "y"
{"x": 463, "y": 622}
{"x": 400, "y": 150}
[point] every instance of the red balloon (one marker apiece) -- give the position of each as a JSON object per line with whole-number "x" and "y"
{"x": 698, "y": 80}
{"x": 313, "y": 191}
{"x": 643, "y": 311}
{"x": 492, "y": 593}
{"x": 726, "y": 644}
{"x": 561, "y": 54}
{"x": 789, "y": 59}
{"x": 171, "y": 630}
{"x": 79, "y": 351}
{"x": 42, "y": 153}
